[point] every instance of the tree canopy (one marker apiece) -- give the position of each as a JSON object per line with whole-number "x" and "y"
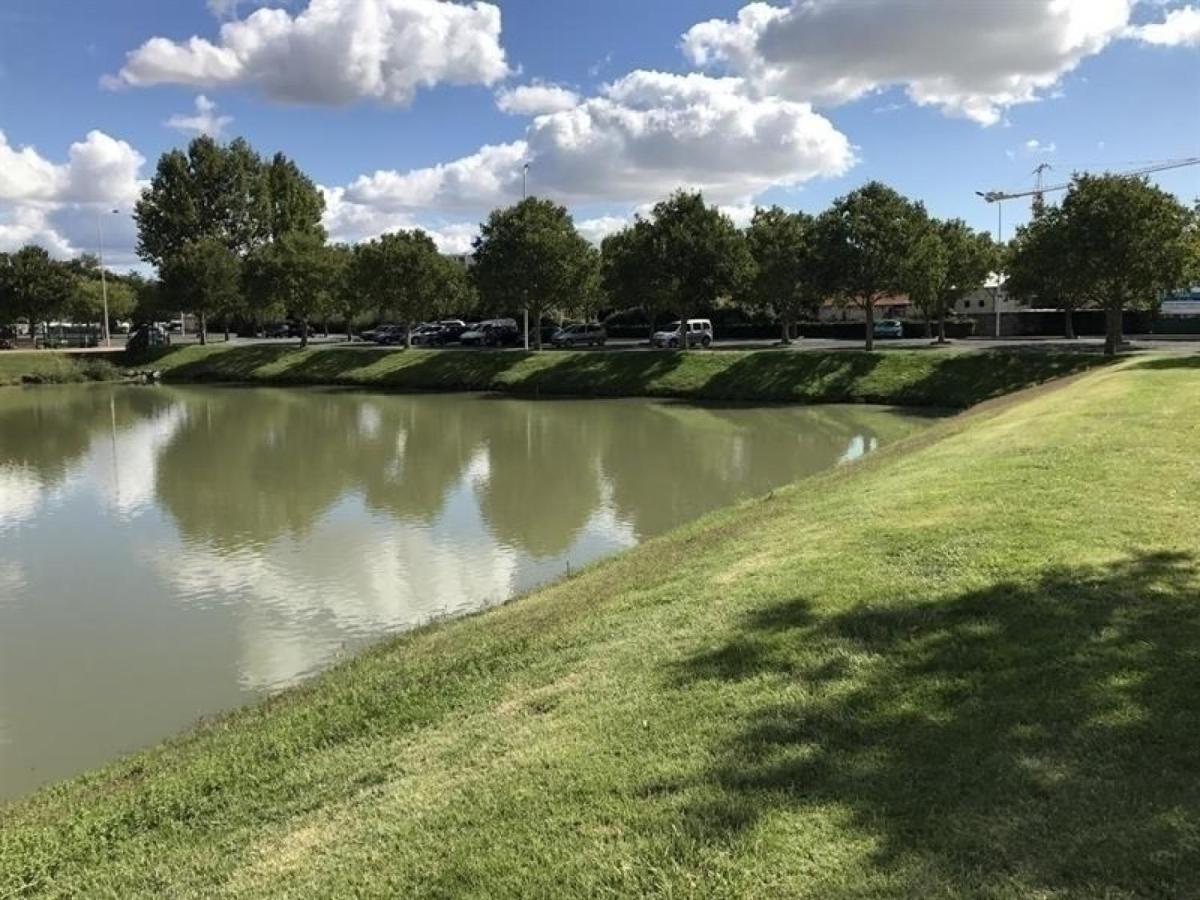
{"x": 787, "y": 278}
{"x": 203, "y": 277}
{"x": 529, "y": 256}
{"x": 295, "y": 274}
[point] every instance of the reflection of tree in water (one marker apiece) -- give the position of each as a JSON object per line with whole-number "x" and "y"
{"x": 48, "y": 431}
{"x": 544, "y": 475}
{"x": 670, "y": 463}
{"x": 247, "y": 466}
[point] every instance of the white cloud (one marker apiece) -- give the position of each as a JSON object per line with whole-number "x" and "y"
{"x": 1033, "y": 145}
{"x": 597, "y": 229}
{"x": 971, "y": 59}
{"x": 353, "y": 222}
{"x": 536, "y": 99}
{"x": 54, "y": 204}
{"x": 641, "y": 137}
{"x": 1181, "y": 28}
{"x": 334, "y": 52}
{"x": 204, "y": 120}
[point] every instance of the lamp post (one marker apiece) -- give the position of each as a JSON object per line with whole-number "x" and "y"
{"x": 103, "y": 277}
{"x": 997, "y": 198}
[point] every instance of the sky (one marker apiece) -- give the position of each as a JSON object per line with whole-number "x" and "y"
{"x": 424, "y": 113}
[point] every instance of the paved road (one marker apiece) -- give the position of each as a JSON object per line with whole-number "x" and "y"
{"x": 1181, "y": 343}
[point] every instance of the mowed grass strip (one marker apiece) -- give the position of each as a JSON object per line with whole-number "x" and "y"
{"x": 966, "y": 667}
{"x": 24, "y": 367}
{"x": 906, "y": 377}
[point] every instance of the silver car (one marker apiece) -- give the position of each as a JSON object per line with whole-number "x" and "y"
{"x": 580, "y": 336}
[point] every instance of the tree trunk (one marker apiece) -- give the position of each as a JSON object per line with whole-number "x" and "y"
{"x": 684, "y": 336}
{"x": 303, "y": 332}
{"x": 1069, "y": 318}
{"x": 942, "y": 328}
{"x": 408, "y": 335}
{"x": 787, "y": 331}
{"x": 537, "y": 329}
{"x": 869, "y": 312}
{"x": 928, "y": 327}
{"x": 1112, "y": 322}
{"x": 650, "y": 316}
{"x": 203, "y": 327}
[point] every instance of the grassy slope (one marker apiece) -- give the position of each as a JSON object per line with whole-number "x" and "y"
{"x": 921, "y": 378}
{"x": 17, "y": 367}
{"x": 966, "y": 667}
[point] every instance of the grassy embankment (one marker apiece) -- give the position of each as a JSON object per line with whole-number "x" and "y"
{"x": 913, "y": 378}
{"x": 969, "y": 666}
{"x": 54, "y": 368}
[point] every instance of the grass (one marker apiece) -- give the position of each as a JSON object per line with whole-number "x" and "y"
{"x": 966, "y": 667}
{"x": 54, "y": 368}
{"x": 915, "y": 378}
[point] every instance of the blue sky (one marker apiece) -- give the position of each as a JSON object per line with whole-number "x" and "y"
{"x": 789, "y": 105}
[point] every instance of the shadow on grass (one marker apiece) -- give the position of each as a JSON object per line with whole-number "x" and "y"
{"x": 964, "y": 379}
{"x": 830, "y": 376}
{"x": 1171, "y": 362}
{"x": 1038, "y": 736}
{"x": 601, "y": 374}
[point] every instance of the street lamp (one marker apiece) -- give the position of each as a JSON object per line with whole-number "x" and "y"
{"x": 997, "y": 198}
{"x": 103, "y": 276}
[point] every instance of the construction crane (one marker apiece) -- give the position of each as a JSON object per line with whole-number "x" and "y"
{"x": 1039, "y": 191}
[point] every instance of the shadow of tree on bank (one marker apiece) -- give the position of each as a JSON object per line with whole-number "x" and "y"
{"x": 221, "y": 364}
{"x": 1171, "y": 362}
{"x": 1037, "y": 736}
{"x": 600, "y": 374}
{"x": 964, "y": 379}
{"x": 790, "y": 375}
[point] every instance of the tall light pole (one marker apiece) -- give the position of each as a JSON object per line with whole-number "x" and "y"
{"x": 525, "y": 196}
{"x": 103, "y": 276}
{"x": 997, "y": 198}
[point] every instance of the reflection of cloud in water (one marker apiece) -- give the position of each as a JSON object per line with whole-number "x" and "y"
{"x": 122, "y": 466}
{"x": 21, "y": 495}
{"x": 12, "y": 579}
{"x": 858, "y": 447}
{"x": 299, "y": 599}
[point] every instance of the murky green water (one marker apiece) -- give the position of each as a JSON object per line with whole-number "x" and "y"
{"x": 168, "y": 553}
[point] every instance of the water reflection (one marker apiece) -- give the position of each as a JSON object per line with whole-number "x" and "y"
{"x": 165, "y": 553}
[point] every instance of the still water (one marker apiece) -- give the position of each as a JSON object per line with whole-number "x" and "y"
{"x": 166, "y": 553}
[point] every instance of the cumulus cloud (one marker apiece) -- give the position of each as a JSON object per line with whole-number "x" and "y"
{"x": 334, "y": 52}
{"x": 600, "y": 227}
{"x": 204, "y": 120}
{"x": 641, "y": 137}
{"x": 1181, "y": 28}
{"x": 969, "y": 59}
{"x": 53, "y": 204}
{"x": 536, "y": 99}
{"x": 353, "y": 222}
{"x": 1033, "y": 145}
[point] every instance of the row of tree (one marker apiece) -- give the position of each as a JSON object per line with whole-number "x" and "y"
{"x": 239, "y": 238}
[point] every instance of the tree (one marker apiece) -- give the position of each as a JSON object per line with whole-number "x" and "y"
{"x": 864, "y": 242}
{"x": 971, "y": 257}
{"x": 629, "y": 270}
{"x": 1129, "y": 244}
{"x": 33, "y": 286}
{"x": 202, "y": 276}
{"x": 700, "y": 256}
{"x": 787, "y": 280}
{"x": 296, "y": 273}
{"x": 405, "y": 276}
{"x": 926, "y": 268}
{"x": 529, "y": 256}
{"x": 1043, "y": 268}
{"x": 296, "y": 205}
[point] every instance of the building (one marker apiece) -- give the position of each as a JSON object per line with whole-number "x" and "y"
{"x": 897, "y": 306}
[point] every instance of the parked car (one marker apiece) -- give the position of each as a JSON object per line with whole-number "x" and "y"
{"x": 492, "y": 333}
{"x": 580, "y": 336}
{"x": 889, "y": 328}
{"x": 428, "y": 336}
{"x": 452, "y": 330}
{"x": 700, "y": 334}
{"x": 384, "y": 334}
{"x": 147, "y": 337}
{"x": 123, "y": 328}
{"x": 277, "y": 330}
{"x": 8, "y": 337}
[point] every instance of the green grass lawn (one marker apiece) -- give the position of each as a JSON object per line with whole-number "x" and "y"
{"x": 17, "y": 367}
{"x": 908, "y": 377}
{"x": 968, "y": 666}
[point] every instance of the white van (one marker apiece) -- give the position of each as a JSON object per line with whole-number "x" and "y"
{"x": 700, "y": 334}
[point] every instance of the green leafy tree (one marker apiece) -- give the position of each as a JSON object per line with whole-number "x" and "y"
{"x": 970, "y": 256}
{"x": 529, "y": 256}
{"x": 700, "y": 256}
{"x": 925, "y": 271}
{"x": 405, "y": 276}
{"x": 787, "y": 280}
{"x": 629, "y": 272}
{"x": 296, "y": 273}
{"x": 864, "y": 243}
{"x": 33, "y": 287}
{"x": 1042, "y": 267}
{"x": 203, "y": 277}
{"x": 296, "y": 205}
{"x": 1129, "y": 244}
